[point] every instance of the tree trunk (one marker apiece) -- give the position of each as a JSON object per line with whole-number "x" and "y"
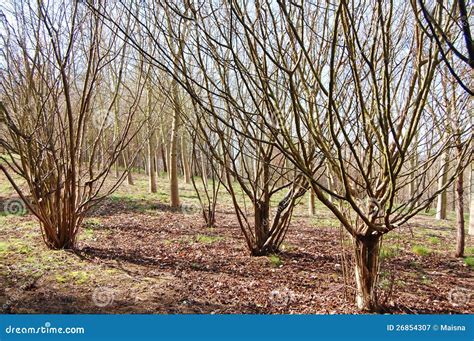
{"x": 442, "y": 197}
{"x": 366, "y": 271}
{"x": 471, "y": 199}
{"x": 460, "y": 216}
{"x": 128, "y": 169}
{"x": 163, "y": 158}
{"x": 174, "y": 191}
{"x": 150, "y": 144}
{"x": 184, "y": 157}
{"x": 204, "y": 168}
{"x": 157, "y": 162}
{"x": 262, "y": 227}
{"x": 151, "y": 165}
{"x": 311, "y": 202}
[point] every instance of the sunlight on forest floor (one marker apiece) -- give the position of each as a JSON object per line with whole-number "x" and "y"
{"x": 134, "y": 255}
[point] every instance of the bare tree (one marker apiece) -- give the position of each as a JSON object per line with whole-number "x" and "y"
{"x": 59, "y": 140}
{"x": 448, "y": 25}
{"x": 337, "y": 89}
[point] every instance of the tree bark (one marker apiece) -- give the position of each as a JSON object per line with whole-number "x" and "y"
{"x": 128, "y": 168}
{"x": 184, "y": 157}
{"x": 163, "y": 158}
{"x": 442, "y": 197}
{"x": 150, "y": 144}
{"x": 366, "y": 271}
{"x": 460, "y": 216}
{"x": 151, "y": 165}
{"x": 204, "y": 168}
{"x": 471, "y": 199}
{"x": 311, "y": 203}
{"x": 173, "y": 165}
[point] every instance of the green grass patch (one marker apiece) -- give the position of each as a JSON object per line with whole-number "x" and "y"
{"x": 75, "y": 277}
{"x": 389, "y": 251}
{"x": 469, "y": 261}
{"x": 434, "y": 240}
{"x": 3, "y": 248}
{"x": 287, "y": 247}
{"x": 275, "y": 261}
{"x": 421, "y": 250}
{"x": 206, "y": 239}
{"x": 326, "y": 222}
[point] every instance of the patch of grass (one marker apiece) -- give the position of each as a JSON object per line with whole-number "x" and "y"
{"x": 389, "y": 251}
{"x": 434, "y": 240}
{"x": 79, "y": 277}
{"x": 205, "y": 239}
{"x": 421, "y": 250}
{"x": 76, "y": 277}
{"x": 387, "y": 280}
{"x": 61, "y": 279}
{"x": 469, "y": 261}
{"x": 469, "y": 250}
{"x": 326, "y": 222}
{"x": 3, "y": 248}
{"x": 15, "y": 246}
{"x": 275, "y": 261}
{"x": 92, "y": 223}
{"x": 287, "y": 247}
{"x": 24, "y": 249}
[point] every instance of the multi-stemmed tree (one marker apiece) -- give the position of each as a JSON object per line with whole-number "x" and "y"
{"x": 338, "y": 89}
{"x": 60, "y": 138}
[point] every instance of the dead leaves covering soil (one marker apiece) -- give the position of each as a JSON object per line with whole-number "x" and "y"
{"x": 167, "y": 262}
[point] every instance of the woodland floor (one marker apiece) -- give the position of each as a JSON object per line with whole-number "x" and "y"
{"x": 136, "y": 256}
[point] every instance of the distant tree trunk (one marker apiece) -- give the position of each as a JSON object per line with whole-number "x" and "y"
{"x": 116, "y": 133}
{"x": 185, "y": 158}
{"x": 127, "y": 167}
{"x": 151, "y": 165}
{"x": 311, "y": 202}
{"x": 174, "y": 191}
{"x": 412, "y": 185}
{"x": 330, "y": 181}
{"x": 460, "y": 216}
{"x": 442, "y": 197}
{"x": 150, "y": 144}
{"x": 157, "y": 162}
{"x": 471, "y": 199}
{"x": 164, "y": 157}
{"x": 204, "y": 169}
